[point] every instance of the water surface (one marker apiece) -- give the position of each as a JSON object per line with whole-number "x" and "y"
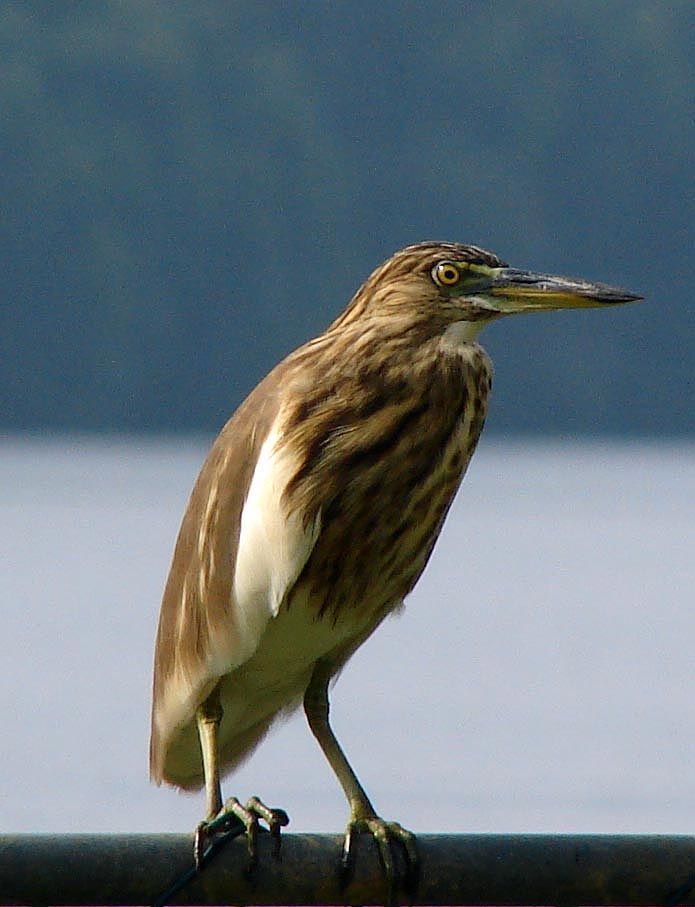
{"x": 540, "y": 678}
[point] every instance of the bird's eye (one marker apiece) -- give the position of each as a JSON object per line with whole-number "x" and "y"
{"x": 446, "y": 274}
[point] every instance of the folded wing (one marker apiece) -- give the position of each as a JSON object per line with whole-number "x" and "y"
{"x": 237, "y": 555}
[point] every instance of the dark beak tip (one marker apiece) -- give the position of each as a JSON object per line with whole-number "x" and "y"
{"x": 610, "y": 295}
{"x": 624, "y": 296}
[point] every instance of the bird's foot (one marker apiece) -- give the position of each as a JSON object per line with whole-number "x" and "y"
{"x": 235, "y": 819}
{"x": 384, "y": 833}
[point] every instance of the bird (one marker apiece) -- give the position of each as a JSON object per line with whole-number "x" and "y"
{"x": 315, "y": 514}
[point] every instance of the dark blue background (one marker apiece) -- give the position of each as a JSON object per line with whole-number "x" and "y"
{"x": 191, "y": 190}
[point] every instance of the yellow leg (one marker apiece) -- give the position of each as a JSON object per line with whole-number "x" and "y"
{"x": 363, "y": 816}
{"x": 225, "y": 818}
{"x": 208, "y": 718}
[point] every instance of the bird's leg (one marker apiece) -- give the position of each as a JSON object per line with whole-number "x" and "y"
{"x": 208, "y": 718}
{"x": 221, "y": 818}
{"x": 363, "y": 816}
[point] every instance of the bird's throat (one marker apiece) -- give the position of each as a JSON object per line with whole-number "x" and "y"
{"x": 460, "y": 333}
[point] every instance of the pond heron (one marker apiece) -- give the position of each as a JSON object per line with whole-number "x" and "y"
{"x": 316, "y": 512}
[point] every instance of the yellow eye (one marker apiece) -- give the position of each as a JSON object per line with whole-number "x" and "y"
{"x": 446, "y": 274}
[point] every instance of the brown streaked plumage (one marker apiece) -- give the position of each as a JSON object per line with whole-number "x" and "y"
{"x": 319, "y": 505}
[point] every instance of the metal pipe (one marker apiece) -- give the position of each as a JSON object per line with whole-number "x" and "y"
{"x": 456, "y": 869}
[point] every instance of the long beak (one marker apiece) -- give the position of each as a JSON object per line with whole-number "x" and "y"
{"x": 522, "y": 291}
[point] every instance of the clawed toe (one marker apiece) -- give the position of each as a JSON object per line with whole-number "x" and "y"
{"x": 275, "y": 819}
{"x": 384, "y": 833}
{"x": 235, "y": 819}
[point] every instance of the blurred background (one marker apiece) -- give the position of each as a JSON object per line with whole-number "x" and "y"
{"x": 189, "y": 191}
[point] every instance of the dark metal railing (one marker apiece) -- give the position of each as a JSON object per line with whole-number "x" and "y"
{"x": 490, "y": 869}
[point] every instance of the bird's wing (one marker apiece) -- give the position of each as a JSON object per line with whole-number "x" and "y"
{"x": 237, "y": 555}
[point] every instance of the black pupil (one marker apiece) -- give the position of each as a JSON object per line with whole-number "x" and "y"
{"x": 449, "y": 274}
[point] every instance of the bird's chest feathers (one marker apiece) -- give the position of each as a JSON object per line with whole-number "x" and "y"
{"x": 351, "y": 488}
{"x": 382, "y": 476}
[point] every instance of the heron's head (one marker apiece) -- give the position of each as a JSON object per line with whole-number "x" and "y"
{"x": 447, "y": 283}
